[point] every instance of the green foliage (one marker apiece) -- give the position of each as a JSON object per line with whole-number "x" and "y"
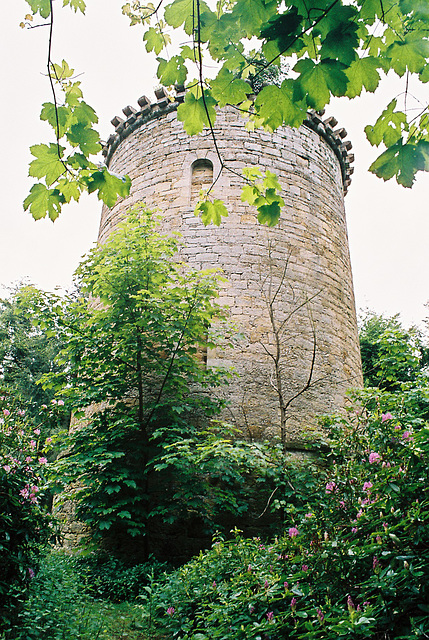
{"x": 107, "y": 578}
{"x": 133, "y": 378}
{"x": 391, "y": 355}
{"x": 352, "y": 561}
{"x": 27, "y": 351}
{"x": 58, "y": 606}
{"x": 64, "y": 168}
{"x": 24, "y": 523}
{"x": 332, "y": 46}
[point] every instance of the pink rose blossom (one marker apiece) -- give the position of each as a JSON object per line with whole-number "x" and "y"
{"x": 374, "y": 457}
{"x": 330, "y": 487}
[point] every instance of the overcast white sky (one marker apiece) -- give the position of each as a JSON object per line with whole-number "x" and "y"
{"x": 388, "y": 225}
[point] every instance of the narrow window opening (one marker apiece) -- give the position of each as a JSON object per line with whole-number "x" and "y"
{"x": 201, "y": 178}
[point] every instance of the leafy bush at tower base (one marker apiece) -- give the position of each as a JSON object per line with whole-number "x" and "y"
{"x": 353, "y": 558}
{"x": 24, "y": 523}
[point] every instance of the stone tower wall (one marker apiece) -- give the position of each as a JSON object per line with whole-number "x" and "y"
{"x": 315, "y": 300}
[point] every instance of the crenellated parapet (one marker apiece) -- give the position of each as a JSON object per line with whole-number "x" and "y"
{"x": 164, "y": 104}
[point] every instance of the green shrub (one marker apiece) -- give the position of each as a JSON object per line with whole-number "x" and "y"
{"x": 352, "y": 562}
{"x": 108, "y": 578}
{"x": 24, "y": 521}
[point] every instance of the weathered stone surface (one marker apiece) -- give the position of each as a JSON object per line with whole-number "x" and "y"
{"x": 311, "y": 237}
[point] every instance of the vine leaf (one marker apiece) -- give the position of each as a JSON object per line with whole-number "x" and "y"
{"x": 40, "y": 6}
{"x": 108, "y": 185}
{"x": 388, "y": 127}
{"x": 317, "y": 81}
{"x": 276, "y": 106}
{"x": 48, "y": 164}
{"x": 155, "y": 41}
{"x": 87, "y": 139}
{"x": 76, "y": 5}
{"x": 410, "y": 54}
{"x": 362, "y": 73}
{"x": 211, "y": 211}
{"x": 403, "y": 161}
{"x": 192, "y": 112}
{"x": 229, "y": 90}
{"x": 172, "y": 72}
{"x": 42, "y": 201}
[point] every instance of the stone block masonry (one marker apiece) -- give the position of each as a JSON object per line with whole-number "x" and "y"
{"x": 315, "y": 300}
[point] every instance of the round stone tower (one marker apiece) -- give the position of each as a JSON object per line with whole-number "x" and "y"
{"x": 288, "y": 288}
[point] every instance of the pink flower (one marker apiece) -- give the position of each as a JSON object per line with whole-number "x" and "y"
{"x": 60, "y": 403}
{"x": 374, "y": 457}
{"x": 397, "y": 427}
{"x": 386, "y": 416}
{"x": 44, "y": 406}
{"x": 6, "y": 467}
{"x": 293, "y": 532}
{"x": 330, "y": 487}
{"x": 37, "y": 432}
{"x": 286, "y": 585}
{"x": 31, "y": 573}
{"x": 55, "y": 402}
{"x": 354, "y": 529}
{"x": 214, "y": 584}
{"x": 170, "y": 611}
{"x": 43, "y": 460}
{"x": 367, "y": 486}
{"x": 48, "y": 440}
{"x": 21, "y": 413}
{"x": 375, "y": 563}
{"x": 405, "y": 435}
{"x": 304, "y": 567}
{"x": 28, "y": 459}
{"x": 6, "y": 413}
{"x": 309, "y": 515}
{"x": 320, "y": 616}
{"x": 350, "y": 604}
{"x": 33, "y": 444}
{"x": 270, "y": 616}
{"x": 249, "y": 568}
{"x": 266, "y": 585}
{"x": 293, "y": 603}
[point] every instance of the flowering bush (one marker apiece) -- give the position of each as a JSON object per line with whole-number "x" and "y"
{"x": 24, "y": 523}
{"x": 353, "y": 560}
